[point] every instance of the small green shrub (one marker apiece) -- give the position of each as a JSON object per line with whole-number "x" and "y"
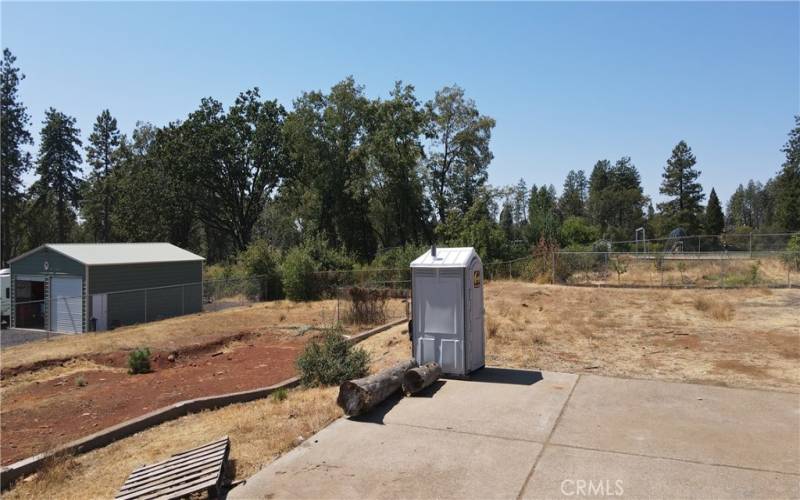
{"x": 81, "y": 381}
{"x": 280, "y": 395}
{"x": 620, "y": 266}
{"x": 298, "y": 275}
{"x": 139, "y": 361}
{"x": 261, "y": 260}
{"x": 752, "y": 275}
{"x": 331, "y": 360}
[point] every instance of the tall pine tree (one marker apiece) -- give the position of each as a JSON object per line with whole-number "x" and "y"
{"x": 680, "y": 183}
{"x": 714, "y": 220}
{"x": 57, "y": 190}
{"x": 573, "y": 197}
{"x": 101, "y": 154}
{"x": 14, "y": 161}
{"x": 787, "y": 183}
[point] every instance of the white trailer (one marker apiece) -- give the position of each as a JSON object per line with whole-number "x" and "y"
{"x": 5, "y": 297}
{"x": 447, "y": 310}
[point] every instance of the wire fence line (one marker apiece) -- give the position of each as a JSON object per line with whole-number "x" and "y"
{"x": 732, "y": 242}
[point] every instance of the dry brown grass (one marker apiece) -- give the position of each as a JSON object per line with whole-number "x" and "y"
{"x": 173, "y": 333}
{"x": 259, "y": 432}
{"x": 721, "y": 311}
{"x": 666, "y": 334}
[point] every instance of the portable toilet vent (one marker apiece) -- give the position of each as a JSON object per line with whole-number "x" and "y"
{"x": 447, "y": 309}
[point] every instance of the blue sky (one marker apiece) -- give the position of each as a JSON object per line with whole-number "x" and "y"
{"x": 568, "y": 83}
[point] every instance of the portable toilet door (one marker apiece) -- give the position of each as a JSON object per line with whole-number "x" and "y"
{"x": 474, "y": 332}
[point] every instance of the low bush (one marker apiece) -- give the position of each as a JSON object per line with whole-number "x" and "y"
{"x": 330, "y": 360}
{"x": 139, "y": 361}
{"x": 298, "y": 271}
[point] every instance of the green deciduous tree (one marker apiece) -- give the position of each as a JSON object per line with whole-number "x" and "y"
{"x": 476, "y": 228}
{"x": 152, "y": 202}
{"x": 14, "y": 160}
{"x": 235, "y": 160}
{"x": 680, "y": 183}
{"x": 101, "y": 154}
{"x": 714, "y": 219}
{"x": 57, "y": 189}
{"x": 326, "y": 136}
{"x": 398, "y": 210}
{"x": 459, "y": 153}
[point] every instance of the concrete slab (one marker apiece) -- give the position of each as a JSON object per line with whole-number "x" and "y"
{"x": 351, "y": 459}
{"x": 713, "y": 425}
{"x": 571, "y": 472}
{"x": 514, "y": 404}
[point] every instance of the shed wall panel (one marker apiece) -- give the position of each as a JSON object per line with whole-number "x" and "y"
{"x": 106, "y": 279}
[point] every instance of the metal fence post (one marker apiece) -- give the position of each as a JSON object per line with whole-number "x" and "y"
{"x": 337, "y": 305}
{"x": 750, "y": 245}
{"x": 554, "y": 267}
{"x": 145, "y": 305}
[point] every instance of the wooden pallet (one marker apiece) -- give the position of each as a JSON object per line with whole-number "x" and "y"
{"x": 181, "y": 475}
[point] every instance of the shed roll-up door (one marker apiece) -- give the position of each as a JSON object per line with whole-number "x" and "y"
{"x": 66, "y": 305}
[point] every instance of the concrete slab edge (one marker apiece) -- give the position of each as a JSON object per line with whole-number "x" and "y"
{"x": 29, "y": 465}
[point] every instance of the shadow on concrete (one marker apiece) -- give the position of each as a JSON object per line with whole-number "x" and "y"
{"x": 429, "y": 391}
{"x": 506, "y": 376}
{"x": 376, "y": 415}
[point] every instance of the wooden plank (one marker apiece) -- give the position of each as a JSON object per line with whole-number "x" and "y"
{"x": 173, "y": 472}
{"x": 223, "y": 441}
{"x": 176, "y": 469}
{"x": 184, "y": 493}
{"x": 160, "y": 490}
{"x": 166, "y": 482}
{"x": 173, "y": 475}
{"x": 180, "y": 461}
{"x": 221, "y": 444}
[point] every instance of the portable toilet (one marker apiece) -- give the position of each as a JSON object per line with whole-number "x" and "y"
{"x": 447, "y": 309}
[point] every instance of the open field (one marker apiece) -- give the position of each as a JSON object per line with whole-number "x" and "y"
{"x": 675, "y": 270}
{"x": 745, "y": 337}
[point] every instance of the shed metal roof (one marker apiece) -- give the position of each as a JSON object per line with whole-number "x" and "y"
{"x": 446, "y": 257}
{"x": 98, "y": 254}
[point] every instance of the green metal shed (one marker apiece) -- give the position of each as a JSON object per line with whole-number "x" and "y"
{"x": 79, "y": 287}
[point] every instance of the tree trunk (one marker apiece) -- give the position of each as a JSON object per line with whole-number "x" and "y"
{"x": 360, "y": 395}
{"x": 419, "y": 378}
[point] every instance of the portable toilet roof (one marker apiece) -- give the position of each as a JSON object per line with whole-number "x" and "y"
{"x": 446, "y": 257}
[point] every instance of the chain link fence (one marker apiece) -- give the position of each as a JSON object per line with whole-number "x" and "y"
{"x": 751, "y": 243}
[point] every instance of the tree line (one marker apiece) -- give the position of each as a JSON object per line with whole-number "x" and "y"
{"x": 341, "y": 175}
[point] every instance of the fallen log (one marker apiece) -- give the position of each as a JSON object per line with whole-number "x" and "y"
{"x": 362, "y": 394}
{"x": 421, "y": 377}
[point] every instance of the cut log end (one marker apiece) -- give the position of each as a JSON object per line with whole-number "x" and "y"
{"x": 421, "y": 377}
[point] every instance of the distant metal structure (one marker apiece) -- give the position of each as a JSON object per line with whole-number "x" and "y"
{"x": 640, "y": 230}
{"x": 674, "y": 242}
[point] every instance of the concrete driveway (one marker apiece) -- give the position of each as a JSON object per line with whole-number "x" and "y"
{"x": 521, "y": 434}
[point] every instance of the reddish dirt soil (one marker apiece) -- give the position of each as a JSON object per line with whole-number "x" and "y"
{"x": 43, "y": 415}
